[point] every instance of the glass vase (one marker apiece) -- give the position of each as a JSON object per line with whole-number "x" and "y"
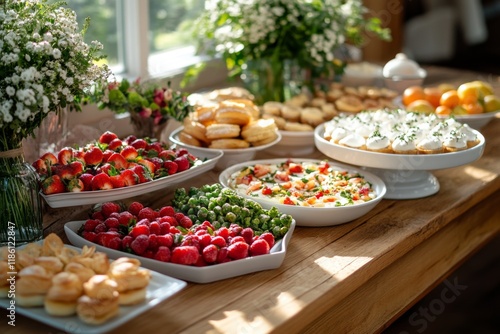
{"x": 273, "y": 80}
{"x": 20, "y": 202}
{"x": 145, "y": 127}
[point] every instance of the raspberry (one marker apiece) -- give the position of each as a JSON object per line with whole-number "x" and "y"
{"x": 187, "y": 255}
{"x": 111, "y": 222}
{"x": 162, "y": 254}
{"x": 154, "y": 228}
{"x": 167, "y": 211}
{"x": 238, "y": 250}
{"x": 101, "y": 227}
{"x": 139, "y": 230}
{"x": 126, "y": 241}
{"x": 89, "y": 236}
{"x": 140, "y": 244}
{"x": 259, "y": 247}
{"x": 269, "y": 237}
{"x": 90, "y": 225}
{"x": 236, "y": 239}
{"x": 210, "y": 253}
{"x": 166, "y": 240}
{"x": 186, "y": 222}
{"x": 147, "y": 213}
{"x": 223, "y": 232}
{"x": 218, "y": 241}
{"x": 135, "y": 207}
{"x": 126, "y": 218}
{"x": 223, "y": 255}
{"x": 247, "y": 233}
{"x": 108, "y": 208}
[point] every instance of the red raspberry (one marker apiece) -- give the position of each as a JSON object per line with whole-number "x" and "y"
{"x": 126, "y": 241}
{"x": 166, "y": 240}
{"x": 236, "y": 239}
{"x": 162, "y": 254}
{"x": 139, "y": 230}
{"x": 111, "y": 222}
{"x": 187, "y": 255}
{"x": 89, "y": 236}
{"x": 154, "y": 228}
{"x": 218, "y": 241}
{"x": 259, "y": 247}
{"x": 247, "y": 233}
{"x": 126, "y": 218}
{"x": 269, "y": 237}
{"x": 135, "y": 207}
{"x": 210, "y": 253}
{"x": 167, "y": 211}
{"x": 238, "y": 250}
{"x": 140, "y": 244}
{"x": 147, "y": 213}
{"x": 223, "y": 255}
{"x": 223, "y": 232}
{"x": 186, "y": 222}
{"x": 108, "y": 208}
{"x": 153, "y": 242}
{"x": 90, "y": 225}
{"x": 101, "y": 227}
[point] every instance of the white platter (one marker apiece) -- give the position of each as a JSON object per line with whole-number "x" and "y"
{"x": 476, "y": 121}
{"x": 196, "y": 274}
{"x": 231, "y": 156}
{"x": 60, "y": 200}
{"x": 405, "y": 175}
{"x": 159, "y": 289}
{"x": 314, "y": 216}
{"x": 294, "y": 144}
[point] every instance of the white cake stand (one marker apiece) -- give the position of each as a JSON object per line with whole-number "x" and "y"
{"x": 406, "y": 176}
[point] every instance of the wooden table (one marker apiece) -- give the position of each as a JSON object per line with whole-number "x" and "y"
{"x": 356, "y": 277}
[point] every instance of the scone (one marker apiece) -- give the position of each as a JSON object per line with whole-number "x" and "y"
{"x": 132, "y": 280}
{"x": 99, "y": 302}
{"x": 61, "y": 299}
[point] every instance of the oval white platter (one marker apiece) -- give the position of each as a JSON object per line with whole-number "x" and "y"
{"x": 160, "y": 288}
{"x": 194, "y": 274}
{"x": 208, "y": 162}
{"x": 405, "y": 175}
{"x": 315, "y": 216}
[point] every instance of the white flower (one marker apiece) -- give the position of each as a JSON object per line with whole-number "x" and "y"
{"x": 56, "y": 53}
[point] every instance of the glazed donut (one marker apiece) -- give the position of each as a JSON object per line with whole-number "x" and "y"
{"x": 186, "y": 138}
{"x": 219, "y": 131}
{"x": 259, "y": 130}
{"x": 229, "y": 143}
{"x": 195, "y": 129}
{"x": 231, "y": 112}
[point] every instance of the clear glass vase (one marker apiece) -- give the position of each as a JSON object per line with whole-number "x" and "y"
{"x": 145, "y": 127}
{"x": 20, "y": 202}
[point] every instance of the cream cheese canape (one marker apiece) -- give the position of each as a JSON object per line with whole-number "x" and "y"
{"x": 430, "y": 145}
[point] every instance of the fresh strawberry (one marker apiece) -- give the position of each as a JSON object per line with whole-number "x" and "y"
{"x": 101, "y": 181}
{"x": 191, "y": 240}
{"x": 187, "y": 255}
{"x": 53, "y": 185}
{"x": 118, "y": 161}
{"x": 204, "y": 239}
{"x": 118, "y": 181}
{"x": 93, "y": 156}
{"x": 126, "y": 241}
{"x": 90, "y": 225}
{"x": 238, "y": 238}
{"x": 65, "y": 155}
{"x": 126, "y": 218}
{"x": 75, "y": 185}
{"x": 87, "y": 181}
{"x": 153, "y": 242}
{"x": 181, "y": 151}
{"x": 111, "y": 222}
{"x": 164, "y": 228}
{"x": 269, "y": 237}
{"x": 135, "y": 207}
{"x": 223, "y": 232}
{"x": 41, "y": 167}
{"x": 130, "y": 139}
{"x": 154, "y": 228}
{"x": 147, "y": 213}
{"x": 148, "y": 164}
{"x": 186, "y": 222}
{"x": 138, "y": 230}
{"x": 162, "y": 254}
{"x": 106, "y": 154}
{"x": 108, "y": 208}
{"x": 167, "y": 155}
{"x": 143, "y": 173}
{"x": 218, "y": 241}
{"x": 223, "y": 257}
{"x": 171, "y": 167}
{"x": 104, "y": 168}
{"x": 166, "y": 211}
{"x": 107, "y": 137}
{"x": 129, "y": 153}
{"x": 155, "y": 146}
{"x": 77, "y": 168}
{"x": 210, "y": 253}
{"x": 247, "y": 234}
{"x": 89, "y": 236}
{"x": 259, "y": 247}
{"x": 140, "y": 244}
{"x": 49, "y": 158}
{"x": 115, "y": 145}
{"x": 166, "y": 240}
{"x": 130, "y": 177}
{"x": 139, "y": 143}
{"x": 79, "y": 155}
{"x": 157, "y": 162}
{"x": 168, "y": 219}
{"x": 238, "y": 250}
{"x": 182, "y": 163}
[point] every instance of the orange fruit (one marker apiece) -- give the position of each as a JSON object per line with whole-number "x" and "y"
{"x": 412, "y": 94}
{"x": 444, "y": 87}
{"x": 443, "y": 110}
{"x": 422, "y": 106}
{"x": 473, "y": 108}
{"x": 433, "y": 95}
{"x": 450, "y": 99}
{"x": 468, "y": 93}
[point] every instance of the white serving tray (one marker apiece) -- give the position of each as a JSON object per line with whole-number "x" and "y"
{"x": 97, "y": 196}
{"x": 205, "y": 274}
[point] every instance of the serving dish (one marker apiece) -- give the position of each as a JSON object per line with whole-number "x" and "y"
{"x": 315, "y": 216}
{"x": 230, "y": 157}
{"x": 208, "y": 161}
{"x": 294, "y": 144}
{"x": 476, "y": 121}
{"x": 205, "y": 274}
{"x": 406, "y": 176}
{"x": 160, "y": 288}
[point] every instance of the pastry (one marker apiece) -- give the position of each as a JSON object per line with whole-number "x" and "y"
{"x": 296, "y": 126}
{"x": 99, "y": 302}
{"x": 51, "y": 263}
{"x": 83, "y": 273}
{"x": 61, "y": 299}
{"x": 232, "y": 112}
{"x": 455, "y": 142}
{"x": 353, "y": 140}
{"x": 220, "y": 131}
{"x": 195, "y": 129}
{"x": 291, "y": 113}
{"x": 230, "y": 93}
{"x": 272, "y": 108}
{"x": 404, "y": 145}
{"x": 430, "y": 145}
{"x": 4, "y": 279}
{"x": 32, "y": 285}
{"x": 311, "y": 116}
{"x": 378, "y": 143}
{"x": 259, "y": 130}
{"x": 132, "y": 281}
{"x": 349, "y": 103}
{"x": 186, "y": 138}
{"x": 229, "y": 143}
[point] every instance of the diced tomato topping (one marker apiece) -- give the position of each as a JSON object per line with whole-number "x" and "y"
{"x": 266, "y": 191}
{"x": 295, "y": 168}
{"x": 323, "y": 168}
{"x": 288, "y": 201}
{"x": 245, "y": 179}
{"x": 319, "y": 194}
{"x": 282, "y": 176}
{"x": 364, "y": 191}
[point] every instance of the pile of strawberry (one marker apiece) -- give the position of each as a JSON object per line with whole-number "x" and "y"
{"x": 110, "y": 163}
{"x": 170, "y": 236}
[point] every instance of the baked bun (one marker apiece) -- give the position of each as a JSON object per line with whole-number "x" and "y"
{"x": 232, "y": 112}
{"x": 97, "y": 311}
{"x": 349, "y": 103}
{"x": 296, "y": 126}
{"x": 132, "y": 280}
{"x": 230, "y": 93}
{"x": 32, "y": 285}
{"x": 61, "y": 299}
{"x": 83, "y": 273}
{"x": 186, "y": 138}
{"x": 229, "y": 143}
{"x": 195, "y": 129}
{"x": 219, "y": 131}
{"x": 312, "y": 116}
{"x": 260, "y": 130}
{"x": 51, "y": 263}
